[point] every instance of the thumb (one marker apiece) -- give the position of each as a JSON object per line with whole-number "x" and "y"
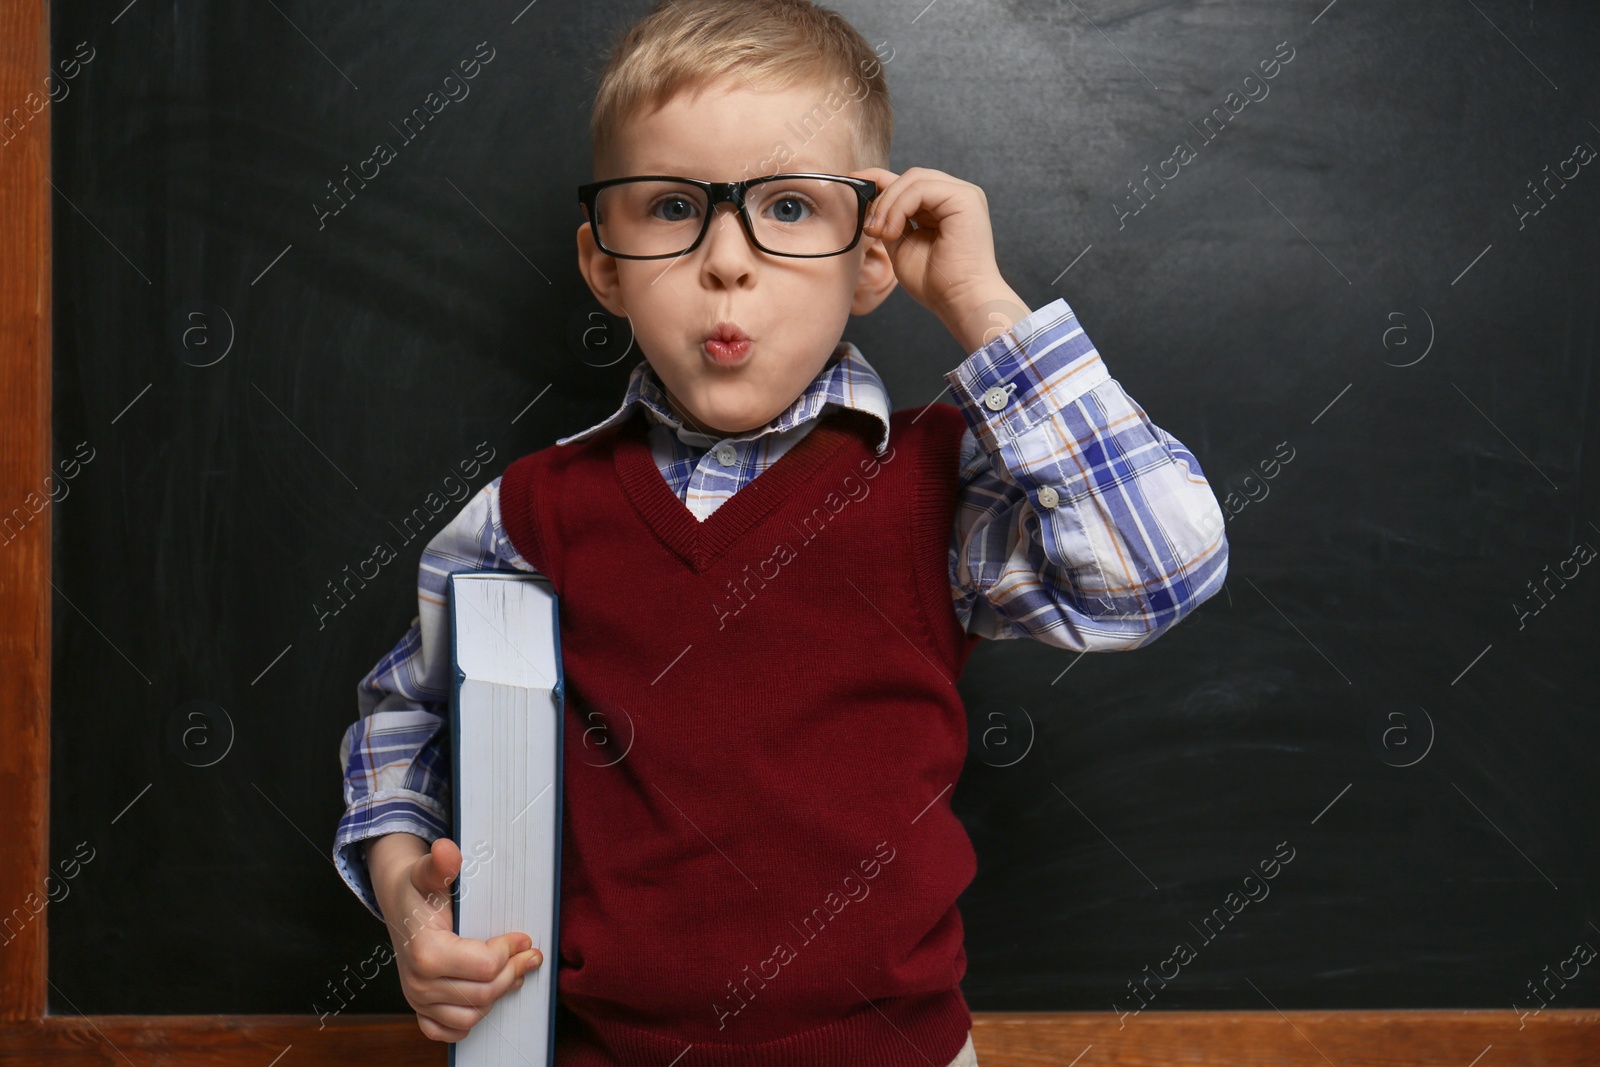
{"x": 434, "y": 872}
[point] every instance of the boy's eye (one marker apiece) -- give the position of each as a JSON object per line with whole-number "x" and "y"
{"x": 790, "y": 208}
{"x": 674, "y": 208}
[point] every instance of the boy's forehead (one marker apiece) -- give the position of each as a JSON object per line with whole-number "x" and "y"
{"x": 737, "y": 130}
{"x": 729, "y": 168}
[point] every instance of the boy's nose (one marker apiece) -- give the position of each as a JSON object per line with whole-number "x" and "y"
{"x": 726, "y": 217}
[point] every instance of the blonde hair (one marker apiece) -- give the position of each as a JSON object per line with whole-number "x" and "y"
{"x": 684, "y": 45}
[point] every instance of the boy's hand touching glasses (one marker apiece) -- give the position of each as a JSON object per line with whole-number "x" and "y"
{"x": 936, "y": 230}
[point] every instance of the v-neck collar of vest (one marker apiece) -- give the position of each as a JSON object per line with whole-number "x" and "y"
{"x": 700, "y": 543}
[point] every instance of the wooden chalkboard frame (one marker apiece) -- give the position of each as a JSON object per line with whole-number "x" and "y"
{"x": 1225, "y": 1039}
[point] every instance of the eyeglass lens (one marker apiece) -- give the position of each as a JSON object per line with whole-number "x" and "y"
{"x": 803, "y": 216}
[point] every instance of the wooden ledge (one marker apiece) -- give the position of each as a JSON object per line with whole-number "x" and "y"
{"x": 1490, "y": 1038}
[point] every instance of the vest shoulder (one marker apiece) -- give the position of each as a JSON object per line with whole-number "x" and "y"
{"x": 534, "y": 483}
{"x": 938, "y": 421}
{"x": 556, "y": 456}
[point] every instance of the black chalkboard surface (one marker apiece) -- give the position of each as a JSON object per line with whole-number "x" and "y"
{"x": 1361, "y": 289}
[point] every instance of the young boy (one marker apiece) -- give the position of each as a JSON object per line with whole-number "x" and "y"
{"x": 770, "y": 581}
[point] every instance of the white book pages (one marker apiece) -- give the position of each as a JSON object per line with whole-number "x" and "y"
{"x": 506, "y": 789}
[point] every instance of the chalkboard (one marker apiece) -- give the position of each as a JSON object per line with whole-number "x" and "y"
{"x": 1345, "y": 252}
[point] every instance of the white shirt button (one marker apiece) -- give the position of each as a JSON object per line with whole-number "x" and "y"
{"x": 1048, "y": 497}
{"x": 726, "y": 454}
{"x": 995, "y": 398}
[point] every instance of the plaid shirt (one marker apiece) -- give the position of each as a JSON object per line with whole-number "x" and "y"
{"x": 1079, "y": 523}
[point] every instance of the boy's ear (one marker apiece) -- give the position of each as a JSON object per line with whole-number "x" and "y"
{"x": 600, "y": 271}
{"x": 876, "y": 279}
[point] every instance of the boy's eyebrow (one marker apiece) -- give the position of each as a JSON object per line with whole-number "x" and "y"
{"x": 794, "y": 167}
{"x": 798, "y": 165}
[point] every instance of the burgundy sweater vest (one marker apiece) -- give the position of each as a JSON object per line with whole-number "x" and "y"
{"x": 759, "y": 864}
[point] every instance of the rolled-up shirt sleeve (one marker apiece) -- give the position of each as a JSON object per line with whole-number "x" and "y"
{"x": 1080, "y": 523}
{"x": 396, "y": 777}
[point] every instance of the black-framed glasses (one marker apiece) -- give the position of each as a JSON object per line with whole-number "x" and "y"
{"x": 659, "y": 216}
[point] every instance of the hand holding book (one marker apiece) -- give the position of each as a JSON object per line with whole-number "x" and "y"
{"x": 451, "y": 981}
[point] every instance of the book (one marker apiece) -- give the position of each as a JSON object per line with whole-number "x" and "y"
{"x": 506, "y": 789}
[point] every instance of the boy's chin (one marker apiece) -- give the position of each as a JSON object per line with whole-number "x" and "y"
{"x": 728, "y": 425}
{"x": 731, "y": 421}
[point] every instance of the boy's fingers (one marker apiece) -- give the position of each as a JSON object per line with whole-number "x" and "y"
{"x": 925, "y": 198}
{"x": 470, "y": 961}
{"x": 464, "y": 993}
{"x": 453, "y": 1000}
{"x": 433, "y": 1030}
{"x": 434, "y": 872}
{"x": 510, "y": 944}
{"x": 883, "y": 178}
{"x": 524, "y": 957}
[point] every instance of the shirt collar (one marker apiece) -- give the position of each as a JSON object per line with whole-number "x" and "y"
{"x": 847, "y": 381}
